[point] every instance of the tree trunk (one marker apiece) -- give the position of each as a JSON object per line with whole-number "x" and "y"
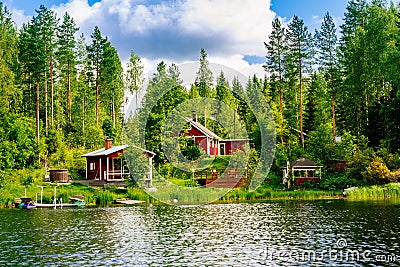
{"x": 51, "y": 91}
{"x": 333, "y": 109}
{"x": 97, "y": 98}
{"x": 37, "y": 110}
{"x": 46, "y": 121}
{"x": 69, "y": 99}
{"x": 301, "y": 106}
{"x": 83, "y": 120}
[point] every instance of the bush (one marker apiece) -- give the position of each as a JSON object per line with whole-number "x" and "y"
{"x": 337, "y": 181}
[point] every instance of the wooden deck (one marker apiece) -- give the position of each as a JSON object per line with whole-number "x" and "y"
{"x": 233, "y": 178}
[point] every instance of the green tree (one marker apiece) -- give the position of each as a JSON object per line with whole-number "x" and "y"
{"x": 163, "y": 94}
{"x": 8, "y": 60}
{"x": 48, "y": 24}
{"x": 298, "y": 55}
{"x": 95, "y": 54}
{"x": 134, "y": 75}
{"x": 276, "y": 49}
{"x": 33, "y": 60}
{"x": 327, "y": 47}
{"x": 66, "y": 56}
{"x": 204, "y": 77}
{"x": 111, "y": 82}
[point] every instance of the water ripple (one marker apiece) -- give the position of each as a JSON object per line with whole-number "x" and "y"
{"x": 214, "y": 235}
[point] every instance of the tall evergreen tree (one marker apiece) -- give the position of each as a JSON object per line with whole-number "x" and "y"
{"x": 298, "y": 54}
{"x": 353, "y": 64}
{"x": 327, "y": 47}
{"x": 33, "y": 61}
{"x": 66, "y": 56}
{"x": 48, "y": 24}
{"x": 204, "y": 77}
{"x": 276, "y": 49}
{"x": 111, "y": 82}
{"x": 8, "y": 60}
{"x": 204, "y": 80}
{"x": 134, "y": 75}
{"x": 96, "y": 53}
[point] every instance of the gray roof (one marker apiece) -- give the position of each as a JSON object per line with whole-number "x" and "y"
{"x": 114, "y": 149}
{"x": 302, "y": 162}
{"x": 202, "y": 129}
{"x": 105, "y": 152}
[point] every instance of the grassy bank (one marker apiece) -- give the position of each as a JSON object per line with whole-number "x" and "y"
{"x": 268, "y": 193}
{"x": 391, "y": 190}
{"x": 31, "y": 181}
{"x": 105, "y": 196}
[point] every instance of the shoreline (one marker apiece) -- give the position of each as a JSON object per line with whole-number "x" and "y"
{"x": 107, "y": 197}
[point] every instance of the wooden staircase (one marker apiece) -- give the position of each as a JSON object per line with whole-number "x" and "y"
{"x": 230, "y": 179}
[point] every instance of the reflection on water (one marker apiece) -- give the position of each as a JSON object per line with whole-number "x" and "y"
{"x": 273, "y": 234}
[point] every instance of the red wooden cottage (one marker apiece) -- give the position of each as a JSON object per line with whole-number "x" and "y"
{"x": 211, "y": 143}
{"x": 107, "y": 164}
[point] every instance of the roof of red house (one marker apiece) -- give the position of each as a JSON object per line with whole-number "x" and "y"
{"x": 105, "y": 152}
{"x": 302, "y": 163}
{"x": 236, "y": 140}
{"x": 202, "y": 129}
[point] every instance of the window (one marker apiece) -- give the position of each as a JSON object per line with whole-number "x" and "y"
{"x": 92, "y": 166}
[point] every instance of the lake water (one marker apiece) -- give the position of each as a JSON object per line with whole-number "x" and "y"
{"x": 287, "y": 233}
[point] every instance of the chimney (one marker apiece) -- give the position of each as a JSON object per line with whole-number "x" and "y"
{"x": 194, "y": 116}
{"x": 108, "y": 143}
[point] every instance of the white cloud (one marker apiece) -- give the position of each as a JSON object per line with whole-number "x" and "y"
{"x": 19, "y": 17}
{"x": 176, "y": 30}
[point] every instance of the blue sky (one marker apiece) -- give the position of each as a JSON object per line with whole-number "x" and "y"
{"x": 308, "y": 9}
{"x": 231, "y": 31}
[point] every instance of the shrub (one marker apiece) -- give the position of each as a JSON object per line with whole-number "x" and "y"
{"x": 337, "y": 181}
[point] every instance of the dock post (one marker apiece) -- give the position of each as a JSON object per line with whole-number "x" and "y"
{"x": 55, "y": 200}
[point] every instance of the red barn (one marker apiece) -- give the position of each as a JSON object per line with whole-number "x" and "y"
{"x": 211, "y": 143}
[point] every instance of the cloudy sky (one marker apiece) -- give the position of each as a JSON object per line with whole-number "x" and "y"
{"x": 231, "y": 31}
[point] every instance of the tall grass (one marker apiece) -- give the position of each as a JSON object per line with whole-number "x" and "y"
{"x": 391, "y": 190}
{"x": 268, "y": 193}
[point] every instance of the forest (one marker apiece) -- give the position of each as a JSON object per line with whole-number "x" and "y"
{"x": 334, "y": 94}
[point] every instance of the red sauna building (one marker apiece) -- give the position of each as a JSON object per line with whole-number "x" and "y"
{"x": 211, "y": 143}
{"x": 107, "y": 163}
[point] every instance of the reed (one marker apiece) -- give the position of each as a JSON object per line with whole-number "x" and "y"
{"x": 391, "y": 190}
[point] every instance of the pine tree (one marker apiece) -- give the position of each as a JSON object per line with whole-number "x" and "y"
{"x": 66, "y": 56}
{"x": 204, "y": 77}
{"x": 204, "y": 81}
{"x": 276, "y": 49}
{"x": 96, "y": 53}
{"x": 134, "y": 76}
{"x": 298, "y": 54}
{"x": 327, "y": 47}
{"x": 48, "y": 24}
{"x": 111, "y": 82}
{"x": 33, "y": 61}
{"x": 8, "y": 59}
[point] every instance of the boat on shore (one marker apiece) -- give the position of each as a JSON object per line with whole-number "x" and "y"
{"x": 24, "y": 203}
{"x": 27, "y": 203}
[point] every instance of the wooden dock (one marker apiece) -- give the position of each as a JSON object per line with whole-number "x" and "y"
{"x": 126, "y": 201}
